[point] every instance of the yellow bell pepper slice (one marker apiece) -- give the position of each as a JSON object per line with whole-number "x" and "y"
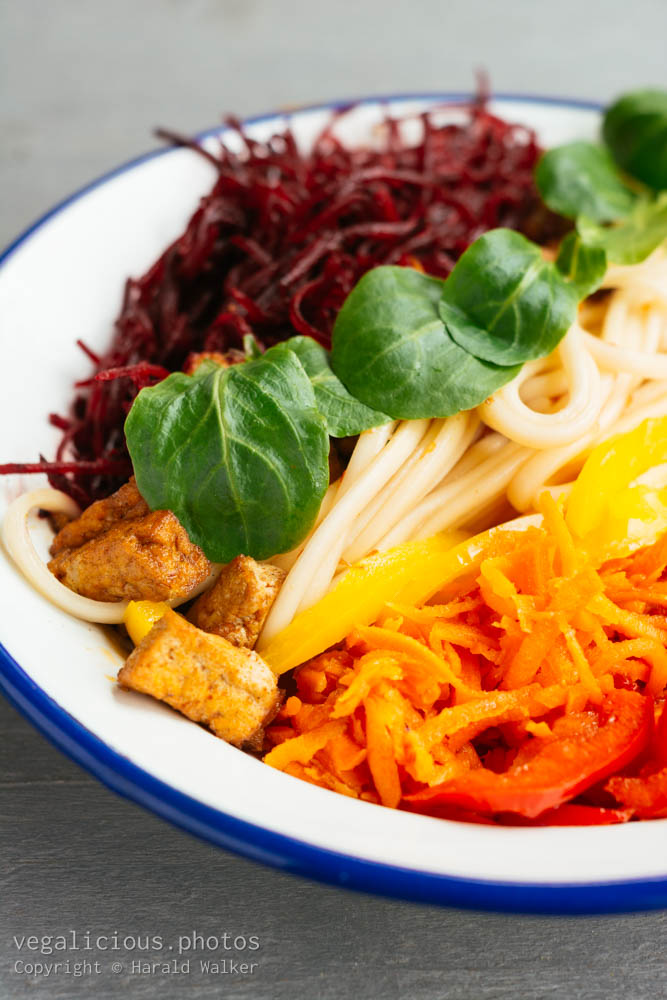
{"x": 608, "y": 511}
{"x": 407, "y": 574}
{"x": 401, "y": 573}
{"x": 140, "y": 616}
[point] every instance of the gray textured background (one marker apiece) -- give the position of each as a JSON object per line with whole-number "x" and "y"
{"x": 81, "y": 85}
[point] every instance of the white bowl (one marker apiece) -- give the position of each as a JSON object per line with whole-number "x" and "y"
{"x": 62, "y": 280}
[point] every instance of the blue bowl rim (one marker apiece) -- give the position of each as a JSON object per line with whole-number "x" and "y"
{"x": 257, "y": 843}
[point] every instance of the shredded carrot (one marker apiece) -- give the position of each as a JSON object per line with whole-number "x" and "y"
{"x": 381, "y": 755}
{"x": 313, "y": 682}
{"x": 648, "y": 563}
{"x": 430, "y": 612}
{"x": 519, "y": 653}
{"x": 523, "y": 663}
{"x": 555, "y": 525}
{"x": 345, "y": 754}
{"x": 539, "y": 729}
{"x": 581, "y": 664}
{"x": 302, "y": 748}
{"x": 291, "y": 707}
{"x": 411, "y": 649}
{"x": 629, "y": 623}
{"x": 625, "y": 657}
{"x": 373, "y": 668}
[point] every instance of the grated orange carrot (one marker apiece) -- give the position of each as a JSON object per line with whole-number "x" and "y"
{"x": 648, "y": 563}
{"x": 524, "y": 663}
{"x": 492, "y": 708}
{"x": 539, "y": 729}
{"x": 555, "y": 525}
{"x": 381, "y": 756}
{"x": 302, "y": 748}
{"x": 625, "y": 657}
{"x": 581, "y": 664}
{"x": 372, "y": 669}
{"x": 411, "y": 649}
{"x": 291, "y": 707}
{"x": 345, "y": 754}
{"x": 629, "y": 623}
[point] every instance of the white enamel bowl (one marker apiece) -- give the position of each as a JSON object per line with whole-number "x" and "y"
{"x": 62, "y": 280}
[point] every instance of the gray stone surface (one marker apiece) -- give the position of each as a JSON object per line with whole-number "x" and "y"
{"x": 81, "y": 85}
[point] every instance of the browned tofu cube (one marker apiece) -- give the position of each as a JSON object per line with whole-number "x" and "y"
{"x": 230, "y": 690}
{"x": 237, "y": 604}
{"x": 230, "y": 357}
{"x": 126, "y": 503}
{"x": 150, "y": 558}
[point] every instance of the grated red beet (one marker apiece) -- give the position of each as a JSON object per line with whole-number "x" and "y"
{"x": 277, "y": 245}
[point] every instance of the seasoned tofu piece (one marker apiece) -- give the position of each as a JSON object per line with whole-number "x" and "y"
{"x": 126, "y": 503}
{"x": 230, "y": 357}
{"x": 237, "y": 604}
{"x": 118, "y": 549}
{"x": 148, "y": 558}
{"x": 230, "y": 690}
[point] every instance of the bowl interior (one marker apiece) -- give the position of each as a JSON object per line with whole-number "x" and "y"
{"x": 63, "y": 282}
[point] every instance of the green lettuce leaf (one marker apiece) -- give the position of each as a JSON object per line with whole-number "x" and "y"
{"x": 581, "y": 178}
{"x": 633, "y": 239}
{"x": 635, "y": 129}
{"x": 239, "y": 454}
{"x": 391, "y": 349}
{"x": 345, "y": 415}
{"x": 504, "y": 303}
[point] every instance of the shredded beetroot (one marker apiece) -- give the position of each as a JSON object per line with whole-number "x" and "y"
{"x": 142, "y": 373}
{"x": 277, "y": 245}
{"x": 61, "y": 468}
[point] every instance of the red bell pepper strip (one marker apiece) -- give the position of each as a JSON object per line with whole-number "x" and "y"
{"x": 576, "y": 814}
{"x": 646, "y": 794}
{"x": 561, "y": 770}
{"x": 660, "y": 740}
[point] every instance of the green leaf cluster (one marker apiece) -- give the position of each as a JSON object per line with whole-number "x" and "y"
{"x": 615, "y": 192}
{"x": 635, "y": 130}
{"x": 391, "y": 349}
{"x": 418, "y": 346}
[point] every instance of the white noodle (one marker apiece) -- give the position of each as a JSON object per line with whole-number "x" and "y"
{"x": 321, "y": 555}
{"x": 641, "y": 283}
{"x": 623, "y": 359}
{"x": 489, "y": 445}
{"x": 448, "y": 503}
{"x": 540, "y": 388}
{"x": 286, "y": 560}
{"x": 435, "y": 458}
{"x": 475, "y": 491}
{"x": 438, "y": 429}
{"x": 534, "y": 476}
{"x": 506, "y": 412}
{"x": 368, "y": 447}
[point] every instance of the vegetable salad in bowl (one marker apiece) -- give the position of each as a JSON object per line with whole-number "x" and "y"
{"x": 387, "y": 424}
